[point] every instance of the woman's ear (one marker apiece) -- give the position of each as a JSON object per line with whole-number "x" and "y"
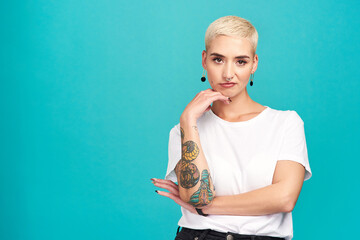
{"x": 255, "y": 63}
{"x": 203, "y": 56}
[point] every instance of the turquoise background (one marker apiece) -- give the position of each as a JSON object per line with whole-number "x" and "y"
{"x": 90, "y": 90}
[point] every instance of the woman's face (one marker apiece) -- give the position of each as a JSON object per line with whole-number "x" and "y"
{"x": 229, "y": 57}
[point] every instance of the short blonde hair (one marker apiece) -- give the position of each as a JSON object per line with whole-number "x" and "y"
{"x": 231, "y": 26}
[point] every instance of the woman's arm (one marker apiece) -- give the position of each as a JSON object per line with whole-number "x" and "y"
{"x": 280, "y": 196}
{"x": 192, "y": 171}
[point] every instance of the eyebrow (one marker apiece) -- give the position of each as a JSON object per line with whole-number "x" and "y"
{"x": 219, "y": 55}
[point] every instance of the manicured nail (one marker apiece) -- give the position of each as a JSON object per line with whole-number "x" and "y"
{"x": 156, "y": 191}
{"x": 151, "y": 179}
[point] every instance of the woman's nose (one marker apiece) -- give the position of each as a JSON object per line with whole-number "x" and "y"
{"x": 228, "y": 70}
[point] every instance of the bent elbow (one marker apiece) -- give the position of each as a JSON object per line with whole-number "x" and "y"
{"x": 289, "y": 208}
{"x": 289, "y": 205}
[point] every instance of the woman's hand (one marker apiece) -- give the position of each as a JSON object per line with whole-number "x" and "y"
{"x": 201, "y": 103}
{"x": 173, "y": 194}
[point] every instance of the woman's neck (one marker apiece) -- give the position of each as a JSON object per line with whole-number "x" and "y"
{"x": 240, "y": 104}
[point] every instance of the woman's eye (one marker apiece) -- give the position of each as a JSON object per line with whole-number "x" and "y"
{"x": 215, "y": 60}
{"x": 241, "y": 62}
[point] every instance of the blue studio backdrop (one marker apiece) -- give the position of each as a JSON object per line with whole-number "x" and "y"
{"x": 91, "y": 89}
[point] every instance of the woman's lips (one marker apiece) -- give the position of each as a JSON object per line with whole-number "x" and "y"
{"x": 227, "y": 85}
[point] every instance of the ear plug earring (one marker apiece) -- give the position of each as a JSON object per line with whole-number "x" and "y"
{"x": 203, "y": 78}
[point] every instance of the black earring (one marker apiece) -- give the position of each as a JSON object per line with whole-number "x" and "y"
{"x": 251, "y": 79}
{"x": 203, "y": 78}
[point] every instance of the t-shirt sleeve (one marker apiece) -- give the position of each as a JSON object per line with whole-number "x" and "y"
{"x": 294, "y": 143}
{"x": 174, "y": 149}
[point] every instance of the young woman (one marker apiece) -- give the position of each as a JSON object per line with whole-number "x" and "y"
{"x": 239, "y": 165}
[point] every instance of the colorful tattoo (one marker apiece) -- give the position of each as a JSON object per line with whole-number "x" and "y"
{"x": 190, "y": 151}
{"x": 203, "y": 196}
{"x": 188, "y": 172}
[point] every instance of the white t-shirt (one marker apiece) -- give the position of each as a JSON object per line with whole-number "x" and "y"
{"x": 242, "y": 157}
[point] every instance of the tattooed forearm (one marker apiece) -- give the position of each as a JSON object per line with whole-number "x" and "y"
{"x": 187, "y": 169}
{"x": 189, "y": 173}
{"x": 182, "y": 131}
{"x": 203, "y": 196}
{"x": 190, "y": 151}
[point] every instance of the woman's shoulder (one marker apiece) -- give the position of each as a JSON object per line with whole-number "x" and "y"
{"x": 286, "y": 115}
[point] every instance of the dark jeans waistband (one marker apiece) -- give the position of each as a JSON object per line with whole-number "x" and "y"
{"x": 202, "y": 233}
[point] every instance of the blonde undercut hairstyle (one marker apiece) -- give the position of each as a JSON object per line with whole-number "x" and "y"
{"x": 232, "y": 26}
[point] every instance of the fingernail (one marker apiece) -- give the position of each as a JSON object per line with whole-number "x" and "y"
{"x": 229, "y": 99}
{"x": 152, "y": 179}
{"x": 156, "y": 191}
